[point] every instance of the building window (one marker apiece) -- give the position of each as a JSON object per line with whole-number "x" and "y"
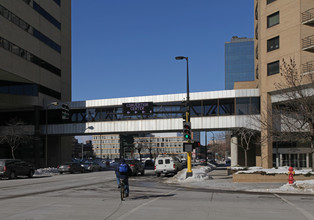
{"x": 272, "y": 68}
{"x": 273, "y": 19}
{"x": 256, "y": 52}
{"x": 58, "y": 2}
{"x": 270, "y": 1}
{"x": 273, "y": 44}
{"x": 256, "y": 11}
{"x": 28, "y": 56}
{"x": 33, "y": 31}
{"x": 256, "y": 32}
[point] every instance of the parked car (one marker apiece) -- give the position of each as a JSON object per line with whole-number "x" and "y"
{"x": 70, "y": 167}
{"x": 228, "y": 162}
{"x": 136, "y": 166}
{"x": 167, "y": 165}
{"x": 91, "y": 167}
{"x": 10, "y": 168}
{"x": 149, "y": 163}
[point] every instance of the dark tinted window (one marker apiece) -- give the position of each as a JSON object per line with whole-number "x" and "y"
{"x": 28, "y": 56}
{"x": 242, "y": 106}
{"x": 273, "y": 44}
{"x": 226, "y": 106}
{"x": 270, "y": 1}
{"x": 167, "y": 161}
{"x": 273, "y": 19}
{"x": 58, "y": 2}
{"x": 160, "y": 161}
{"x": 46, "y": 15}
{"x": 273, "y": 68}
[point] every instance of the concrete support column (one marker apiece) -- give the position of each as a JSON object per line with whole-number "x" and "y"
{"x": 307, "y": 160}
{"x": 280, "y": 156}
{"x": 234, "y": 150}
{"x": 266, "y": 127}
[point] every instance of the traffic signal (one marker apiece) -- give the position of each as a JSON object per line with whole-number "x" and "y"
{"x": 187, "y": 130}
{"x": 196, "y": 144}
{"x": 186, "y": 116}
{"x": 65, "y": 111}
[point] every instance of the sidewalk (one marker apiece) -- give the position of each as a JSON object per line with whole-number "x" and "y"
{"x": 221, "y": 180}
{"x": 218, "y": 179}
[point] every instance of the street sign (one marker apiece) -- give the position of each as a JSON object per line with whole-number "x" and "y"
{"x": 187, "y": 147}
{"x": 140, "y": 108}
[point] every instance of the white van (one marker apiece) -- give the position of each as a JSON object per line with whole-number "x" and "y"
{"x": 165, "y": 164}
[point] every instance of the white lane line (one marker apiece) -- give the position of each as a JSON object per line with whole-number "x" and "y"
{"x": 126, "y": 215}
{"x": 308, "y": 215}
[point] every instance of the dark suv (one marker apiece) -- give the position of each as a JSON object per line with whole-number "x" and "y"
{"x": 10, "y": 168}
{"x": 136, "y": 166}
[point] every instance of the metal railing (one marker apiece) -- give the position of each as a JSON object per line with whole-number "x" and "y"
{"x": 308, "y": 43}
{"x": 308, "y": 67}
{"x": 308, "y": 15}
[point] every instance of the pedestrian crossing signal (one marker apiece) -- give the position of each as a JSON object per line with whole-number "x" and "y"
{"x": 65, "y": 111}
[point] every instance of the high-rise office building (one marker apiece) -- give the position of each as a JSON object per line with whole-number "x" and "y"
{"x": 239, "y": 60}
{"x": 284, "y": 30}
{"x": 35, "y": 67}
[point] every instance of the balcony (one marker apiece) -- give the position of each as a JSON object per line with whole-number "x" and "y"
{"x": 308, "y": 67}
{"x": 308, "y": 17}
{"x": 308, "y": 43}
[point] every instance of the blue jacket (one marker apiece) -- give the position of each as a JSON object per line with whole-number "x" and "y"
{"x": 123, "y": 176}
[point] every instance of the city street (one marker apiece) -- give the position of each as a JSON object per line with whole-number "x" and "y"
{"x": 96, "y": 196}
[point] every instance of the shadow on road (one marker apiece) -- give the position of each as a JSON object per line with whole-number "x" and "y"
{"x": 152, "y": 196}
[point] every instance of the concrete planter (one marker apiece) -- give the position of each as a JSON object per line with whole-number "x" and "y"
{"x": 263, "y": 178}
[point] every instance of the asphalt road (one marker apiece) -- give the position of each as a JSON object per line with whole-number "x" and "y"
{"x": 95, "y": 196}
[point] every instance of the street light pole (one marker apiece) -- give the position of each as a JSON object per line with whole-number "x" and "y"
{"x": 46, "y": 132}
{"x": 206, "y": 148}
{"x": 213, "y": 138}
{"x": 82, "y": 148}
{"x": 187, "y": 104}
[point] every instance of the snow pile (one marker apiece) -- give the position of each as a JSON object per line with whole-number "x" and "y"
{"x": 46, "y": 171}
{"x": 200, "y": 173}
{"x": 202, "y": 177}
{"x": 299, "y": 186}
{"x": 279, "y": 170}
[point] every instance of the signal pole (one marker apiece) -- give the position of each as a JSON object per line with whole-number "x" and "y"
{"x": 187, "y": 114}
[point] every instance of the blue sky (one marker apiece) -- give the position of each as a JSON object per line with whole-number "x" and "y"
{"x": 125, "y": 48}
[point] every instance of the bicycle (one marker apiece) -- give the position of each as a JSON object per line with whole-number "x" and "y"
{"x": 122, "y": 189}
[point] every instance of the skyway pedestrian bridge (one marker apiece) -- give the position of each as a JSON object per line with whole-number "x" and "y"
{"x": 214, "y": 110}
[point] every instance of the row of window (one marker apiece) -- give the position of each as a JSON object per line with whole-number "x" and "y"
{"x": 25, "y": 89}
{"x": 273, "y": 43}
{"x": 28, "y": 28}
{"x": 44, "y": 13}
{"x": 28, "y": 56}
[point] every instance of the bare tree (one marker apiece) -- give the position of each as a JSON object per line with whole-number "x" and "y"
{"x": 15, "y": 133}
{"x": 139, "y": 146}
{"x": 245, "y": 137}
{"x": 296, "y": 110}
{"x": 293, "y": 109}
{"x": 219, "y": 145}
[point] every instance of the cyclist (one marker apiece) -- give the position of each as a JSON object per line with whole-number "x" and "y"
{"x": 123, "y": 171}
